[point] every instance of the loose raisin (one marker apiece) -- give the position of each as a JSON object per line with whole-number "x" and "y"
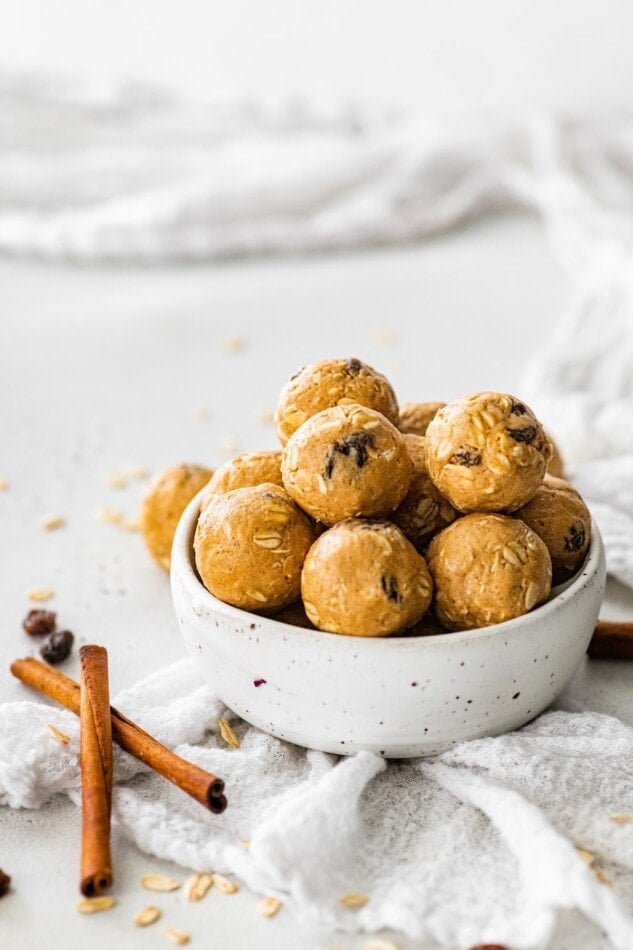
{"x": 5, "y": 881}
{"x": 57, "y": 646}
{"x": 39, "y": 623}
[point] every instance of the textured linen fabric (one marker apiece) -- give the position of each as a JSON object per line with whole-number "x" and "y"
{"x": 474, "y": 845}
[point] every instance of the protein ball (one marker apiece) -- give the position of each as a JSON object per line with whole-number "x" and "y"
{"x": 245, "y": 471}
{"x": 562, "y": 520}
{"x": 332, "y": 383}
{"x": 487, "y": 452}
{"x": 415, "y": 416}
{"x": 363, "y": 578}
{"x": 556, "y": 466}
{"x": 487, "y": 569}
{"x": 250, "y": 545}
{"x": 346, "y": 462}
{"x": 424, "y": 510}
{"x": 162, "y": 504}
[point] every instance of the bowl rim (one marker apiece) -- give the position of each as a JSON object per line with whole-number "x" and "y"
{"x": 183, "y": 569}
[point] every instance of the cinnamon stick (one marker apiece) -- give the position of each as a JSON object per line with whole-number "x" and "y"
{"x": 206, "y": 788}
{"x": 612, "y": 640}
{"x": 96, "y": 771}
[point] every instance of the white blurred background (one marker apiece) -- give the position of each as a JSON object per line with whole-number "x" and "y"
{"x": 433, "y": 56}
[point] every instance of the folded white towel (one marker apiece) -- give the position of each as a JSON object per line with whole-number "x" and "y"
{"x": 474, "y": 846}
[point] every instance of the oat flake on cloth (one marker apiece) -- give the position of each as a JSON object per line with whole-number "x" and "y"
{"x": 475, "y": 845}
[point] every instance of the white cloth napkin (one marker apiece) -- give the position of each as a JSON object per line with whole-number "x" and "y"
{"x": 473, "y": 846}
{"x": 477, "y": 844}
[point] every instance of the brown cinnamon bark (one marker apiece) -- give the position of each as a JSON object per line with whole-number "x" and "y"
{"x": 96, "y": 771}
{"x": 612, "y": 640}
{"x": 203, "y": 786}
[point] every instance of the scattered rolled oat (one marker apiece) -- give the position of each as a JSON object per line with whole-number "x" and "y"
{"x": 130, "y": 524}
{"x": 137, "y": 471}
{"x": 176, "y": 936}
{"x": 269, "y": 906}
{"x": 53, "y": 522}
{"x": 380, "y": 943}
{"x": 227, "y": 734}
{"x": 38, "y": 594}
{"x": 94, "y": 905}
{"x": 622, "y": 818}
{"x": 602, "y": 877}
{"x": 244, "y": 842}
{"x": 57, "y": 733}
{"x": 234, "y": 344}
{"x": 107, "y": 515}
{"x": 197, "y": 886}
{"x": 147, "y": 915}
{"x": 39, "y": 623}
{"x": 117, "y": 480}
{"x": 266, "y": 416}
{"x": 224, "y": 885}
{"x": 353, "y": 900}
{"x": 110, "y": 516}
{"x": 384, "y": 337}
{"x": 4, "y": 484}
{"x": 159, "y": 882}
{"x": 5, "y": 882}
{"x": 201, "y": 414}
{"x": 586, "y": 855}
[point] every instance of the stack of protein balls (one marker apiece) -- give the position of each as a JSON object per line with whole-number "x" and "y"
{"x": 377, "y": 517}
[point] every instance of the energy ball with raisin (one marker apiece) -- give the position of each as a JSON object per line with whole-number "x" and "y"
{"x": 487, "y": 452}
{"x": 245, "y": 471}
{"x": 487, "y": 569}
{"x": 332, "y": 383}
{"x": 162, "y": 504}
{"x": 561, "y": 519}
{"x": 424, "y": 510}
{"x": 556, "y": 466}
{"x": 363, "y": 578}
{"x": 415, "y": 416}
{"x": 250, "y": 545}
{"x": 346, "y": 462}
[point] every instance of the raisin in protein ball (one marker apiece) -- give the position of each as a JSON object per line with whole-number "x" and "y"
{"x": 487, "y": 452}
{"x": 346, "y": 462}
{"x": 415, "y": 416}
{"x": 162, "y": 504}
{"x": 561, "y": 519}
{"x": 250, "y": 545}
{"x": 332, "y": 383}
{"x": 487, "y": 569}
{"x": 245, "y": 471}
{"x": 424, "y": 511}
{"x": 363, "y": 578}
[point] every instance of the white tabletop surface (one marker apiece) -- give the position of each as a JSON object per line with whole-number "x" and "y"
{"x": 104, "y": 368}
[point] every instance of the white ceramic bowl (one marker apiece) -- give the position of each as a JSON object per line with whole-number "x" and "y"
{"x": 398, "y": 696}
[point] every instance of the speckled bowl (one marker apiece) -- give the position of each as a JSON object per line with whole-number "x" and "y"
{"x": 399, "y": 696}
